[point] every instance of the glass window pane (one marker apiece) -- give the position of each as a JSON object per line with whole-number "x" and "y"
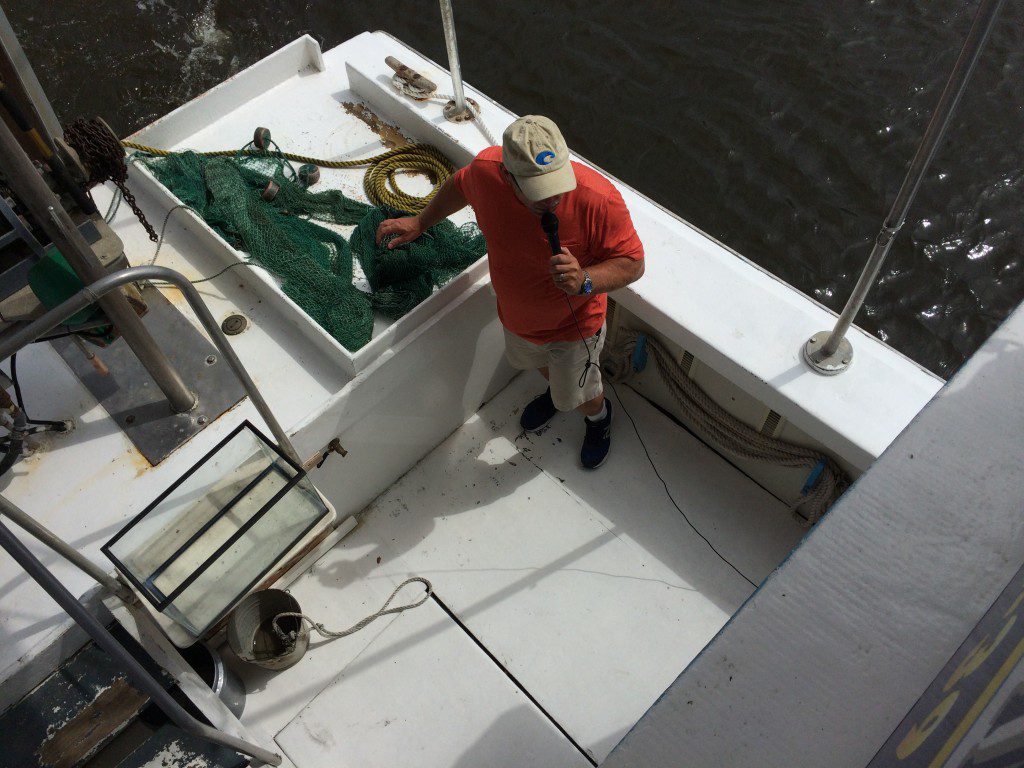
{"x": 225, "y": 502}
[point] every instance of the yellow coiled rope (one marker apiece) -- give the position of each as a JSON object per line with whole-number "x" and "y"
{"x": 379, "y": 182}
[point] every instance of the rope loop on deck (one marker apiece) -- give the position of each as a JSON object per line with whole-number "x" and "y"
{"x": 418, "y": 94}
{"x": 289, "y": 637}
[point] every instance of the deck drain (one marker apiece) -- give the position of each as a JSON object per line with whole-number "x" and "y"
{"x": 234, "y": 324}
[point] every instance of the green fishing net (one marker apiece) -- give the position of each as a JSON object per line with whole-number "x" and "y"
{"x": 314, "y": 262}
{"x": 403, "y": 277}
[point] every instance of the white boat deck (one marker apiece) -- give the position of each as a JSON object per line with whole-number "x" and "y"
{"x": 566, "y": 601}
{"x": 589, "y": 591}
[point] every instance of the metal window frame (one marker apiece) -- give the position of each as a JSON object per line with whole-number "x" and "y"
{"x": 162, "y": 602}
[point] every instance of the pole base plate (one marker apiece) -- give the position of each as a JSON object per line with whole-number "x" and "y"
{"x": 133, "y": 400}
{"x": 453, "y": 115}
{"x": 827, "y": 365}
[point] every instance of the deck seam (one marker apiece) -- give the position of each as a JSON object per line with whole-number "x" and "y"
{"x": 512, "y": 678}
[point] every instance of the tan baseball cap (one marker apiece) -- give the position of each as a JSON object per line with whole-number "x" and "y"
{"x": 534, "y": 151}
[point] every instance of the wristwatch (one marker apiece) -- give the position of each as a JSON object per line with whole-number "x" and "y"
{"x": 588, "y": 284}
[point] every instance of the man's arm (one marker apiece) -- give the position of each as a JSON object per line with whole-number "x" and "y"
{"x": 612, "y": 274}
{"x": 447, "y": 201}
{"x": 608, "y": 275}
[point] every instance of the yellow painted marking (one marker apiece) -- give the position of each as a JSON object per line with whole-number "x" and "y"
{"x": 975, "y": 711}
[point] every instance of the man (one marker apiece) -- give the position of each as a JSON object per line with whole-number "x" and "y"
{"x": 552, "y": 307}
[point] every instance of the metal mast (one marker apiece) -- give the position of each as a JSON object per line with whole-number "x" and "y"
{"x": 831, "y": 353}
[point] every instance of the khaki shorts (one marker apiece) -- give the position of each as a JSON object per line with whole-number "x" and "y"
{"x": 565, "y": 361}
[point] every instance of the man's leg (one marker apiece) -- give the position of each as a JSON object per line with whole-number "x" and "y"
{"x": 540, "y": 410}
{"x": 593, "y": 406}
{"x": 527, "y": 356}
{"x": 575, "y": 385}
{"x": 598, "y": 438}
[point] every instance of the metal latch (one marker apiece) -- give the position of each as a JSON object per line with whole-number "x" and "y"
{"x": 317, "y": 459}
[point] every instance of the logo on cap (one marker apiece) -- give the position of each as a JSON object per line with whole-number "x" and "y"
{"x": 545, "y": 157}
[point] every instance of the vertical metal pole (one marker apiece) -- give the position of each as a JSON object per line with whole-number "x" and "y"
{"x": 16, "y": 338}
{"x": 831, "y": 353}
{"x": 448, "y": 21}
{"x": 138, "y": 675}
{"x": 22, "y": 73}
{"x": 40, "y": 200}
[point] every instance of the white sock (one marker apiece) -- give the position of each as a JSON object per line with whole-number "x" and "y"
{"x": 602, "y": 414}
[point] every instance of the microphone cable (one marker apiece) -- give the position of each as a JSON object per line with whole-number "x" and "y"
{"x": 549, "y": 223}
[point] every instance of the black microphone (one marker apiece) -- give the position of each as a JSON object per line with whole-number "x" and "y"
{"x": 549, "y": 223}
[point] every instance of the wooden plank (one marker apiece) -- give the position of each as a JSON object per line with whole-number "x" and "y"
{"x": 74, "y": 712}
{"x": 170, "y": 746}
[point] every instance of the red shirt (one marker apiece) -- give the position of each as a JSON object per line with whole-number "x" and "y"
{"x": 593, "y": 223}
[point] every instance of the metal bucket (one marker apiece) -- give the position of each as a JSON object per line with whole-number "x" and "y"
{"x": 209, "y": 665}
{"x": 251, "y": 635}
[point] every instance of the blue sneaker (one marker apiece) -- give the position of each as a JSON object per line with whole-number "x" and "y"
{"x": 598, "y": 440}
{"x": 538, "y": 412}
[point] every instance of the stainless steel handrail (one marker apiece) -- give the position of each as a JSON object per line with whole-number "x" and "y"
{"x": 831, "y": 353}
{"x": 45, "y": 206}
{"x": 140, "y": 678}
{"x": 20, "y": 336}
{"x": 448, "y": 21}
{"x": 26, "y": 522}
{"x": 28, "y": 333}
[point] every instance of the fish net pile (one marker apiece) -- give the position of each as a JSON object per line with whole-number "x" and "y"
{"x": 282, "y": 229}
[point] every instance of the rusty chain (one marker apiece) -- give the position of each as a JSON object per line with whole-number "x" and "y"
{"x": 103, "y": 157}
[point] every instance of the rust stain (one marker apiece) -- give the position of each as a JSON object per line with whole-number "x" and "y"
{"x": 173, "y": 295}
{"x": 140, "y": 462}
{"x": 103, "y": 718}
{"x": 389, "y": 134}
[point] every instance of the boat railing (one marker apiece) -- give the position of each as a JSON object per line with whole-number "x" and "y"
{"x": 138, "y": 675}
{"x": 458, "y": 110}
{"x": 26, "y": 334}
{"x": 829, "y": 353}
{"x": 45, "y": 207}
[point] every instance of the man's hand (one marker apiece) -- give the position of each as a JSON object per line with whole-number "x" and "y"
{"x": 566, "y": 272}
{"x": 405, "y": 230}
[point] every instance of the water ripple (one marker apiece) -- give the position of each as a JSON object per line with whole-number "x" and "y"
{"x": 782, "y": 129}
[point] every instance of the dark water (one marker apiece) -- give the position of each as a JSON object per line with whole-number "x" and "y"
{"x": 781, "y": 128}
